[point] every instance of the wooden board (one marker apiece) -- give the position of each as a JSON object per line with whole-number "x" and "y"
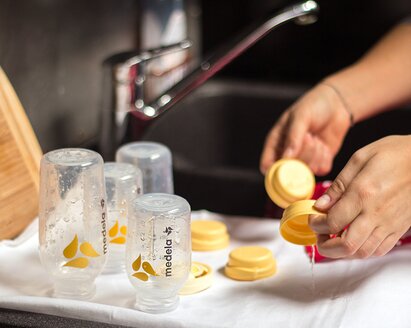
{"x": 20, "y": 155}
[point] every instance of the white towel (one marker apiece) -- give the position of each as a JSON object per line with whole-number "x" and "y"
{"x": 346, "y": 293}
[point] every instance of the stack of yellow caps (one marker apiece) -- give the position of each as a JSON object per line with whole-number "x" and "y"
{"x": 209, "y": 235}
{"x": 289, "y": 180}
{"x": 250, "y": 263}
{"x": 200, "y": 278}
{"x": 294, "y": 223}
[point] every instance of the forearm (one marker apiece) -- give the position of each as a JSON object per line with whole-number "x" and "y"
{"x": 381, "y": 79}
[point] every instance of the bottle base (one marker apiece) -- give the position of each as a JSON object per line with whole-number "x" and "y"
{"x": 74, "y": 289}
{"x": 159, "y": 305}
{"x": 115, "y": 262}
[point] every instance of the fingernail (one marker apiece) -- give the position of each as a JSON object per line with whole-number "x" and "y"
{"x": 288, "y": 152}
{"x": 323, "y": 201}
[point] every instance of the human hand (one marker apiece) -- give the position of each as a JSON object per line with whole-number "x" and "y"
{"x": 372, "y": 194}
{"x": 312, "y": 130}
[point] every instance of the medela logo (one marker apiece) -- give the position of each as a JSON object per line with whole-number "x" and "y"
{"x": 103, "y": 225}
{"x": 168, "y": 256}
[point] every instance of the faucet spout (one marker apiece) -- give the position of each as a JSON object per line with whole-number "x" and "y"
{"x": 304, "y": 13}
{"x": 125, "y": 75}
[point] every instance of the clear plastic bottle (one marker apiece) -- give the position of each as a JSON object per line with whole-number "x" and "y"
{"x": 123, "y": 185}
{"x": 158, "y": 250}
{"x": 72, "y": 220}
{"x": 155, "y": 162}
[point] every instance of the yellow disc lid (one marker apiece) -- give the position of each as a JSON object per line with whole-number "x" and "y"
{"x": 201, "y": 278}
{"x": 250, "y": 263}
{"x": 250, "y": 274}
{"x": 250, "y": 256}
{"x": 289, "y": 180}
{"x": 207, "y": 235}
{"x": 294, "y": 223}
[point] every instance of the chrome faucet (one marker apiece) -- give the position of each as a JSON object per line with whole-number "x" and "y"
{"x": 125, "y": 76}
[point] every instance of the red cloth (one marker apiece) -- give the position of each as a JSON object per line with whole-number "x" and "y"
{"x": 320, "y": 189}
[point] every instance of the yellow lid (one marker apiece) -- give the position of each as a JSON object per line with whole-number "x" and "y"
{"x": 250, "y": 263}
{"x": 250, "y": 256}
{"x": 209, "y": 235}
{"x": 201, "y": 278}
{"x": 294, "y": 223}
{"x": 289, "y": 180}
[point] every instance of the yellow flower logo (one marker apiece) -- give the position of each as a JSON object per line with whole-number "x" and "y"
{"x": 114, "y": 231}
{"x": 71, "y": 250}
{"x": 146, "y": 267}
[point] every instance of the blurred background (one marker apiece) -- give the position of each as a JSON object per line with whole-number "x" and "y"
{"x": 52, "y": 51}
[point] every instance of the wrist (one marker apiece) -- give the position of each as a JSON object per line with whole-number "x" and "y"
{"x": 343, "y": 102}
{"x": 355, "y": 85}
{"x": 335, "y": 106}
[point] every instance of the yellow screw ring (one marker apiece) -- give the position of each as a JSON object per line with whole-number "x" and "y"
{"x": 294, "y": 223}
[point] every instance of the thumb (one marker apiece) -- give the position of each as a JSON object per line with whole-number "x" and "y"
{"x": 333, "y": 194}
{"x": 341, "y": 182}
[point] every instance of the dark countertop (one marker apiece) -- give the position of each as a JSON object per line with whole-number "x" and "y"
{"x": 13, "y": 318}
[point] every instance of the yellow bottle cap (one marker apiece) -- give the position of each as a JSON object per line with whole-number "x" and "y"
{"x": 201, "y": 278}
{"x": 294, "y": 223}
{"x": 250, "y": 263}
{"x": 209, "y": 235}
{"x": 289, "y": 180}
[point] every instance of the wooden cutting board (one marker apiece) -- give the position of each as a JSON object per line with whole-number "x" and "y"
{"x": 20, "y": 155}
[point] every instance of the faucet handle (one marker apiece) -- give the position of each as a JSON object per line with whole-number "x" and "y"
{"x": 128, "y": 76}
{"x": 124, "y": 75}
{"x": 123, "y": 91}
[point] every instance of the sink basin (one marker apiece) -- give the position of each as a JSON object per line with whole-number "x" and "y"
{"x": 216, "y": 135}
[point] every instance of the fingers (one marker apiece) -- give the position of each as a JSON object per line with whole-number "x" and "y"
{"x": 315, "y": 154}
{"x": 272, "y": 144}
{"x": 331, "y": 247}
{"x": 343, "y": 180}
{"x": 339, "y": 216}
{"x": 373, "y": 242}
{"x": 379, "y": 243}
{"x": 268, "y": 155}
{"x": 388, "y": 244}
{"x": 346, "y": 198}
{"x": 349, "y": 242}
{"x": 296, "y": 130}
{"x": 309, "y": 151}
{"x": 284, "y": 140}
{"x": 326, "y": 162}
